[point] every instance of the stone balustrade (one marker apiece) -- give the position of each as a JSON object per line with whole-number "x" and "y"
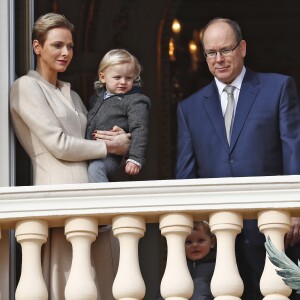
{"x": 129, "y": 206}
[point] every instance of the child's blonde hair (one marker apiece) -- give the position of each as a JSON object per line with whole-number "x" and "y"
{"x": 203, "y": 225}
{"x": 115, "y": 57}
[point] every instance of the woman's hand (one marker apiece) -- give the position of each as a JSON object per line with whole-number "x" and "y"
{"x": 117, "y": 140}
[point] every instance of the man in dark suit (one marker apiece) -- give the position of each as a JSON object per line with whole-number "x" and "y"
{"x": 262, "y": 139}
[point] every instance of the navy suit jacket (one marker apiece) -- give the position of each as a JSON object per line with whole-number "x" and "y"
{"x": 265, "y": 136}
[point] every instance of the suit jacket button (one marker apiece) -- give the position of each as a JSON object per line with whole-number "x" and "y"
{"x": 232, "y": 161}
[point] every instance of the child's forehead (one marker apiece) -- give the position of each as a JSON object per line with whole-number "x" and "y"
{"x": 120, "y": 67}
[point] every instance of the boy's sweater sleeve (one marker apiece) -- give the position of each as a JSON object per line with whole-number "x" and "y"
{"x": 138, "y": 117}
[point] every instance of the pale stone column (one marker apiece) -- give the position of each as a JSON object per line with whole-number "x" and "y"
{"x": 81, "y": 232}
{"x": 226, "y": 283}
{"x": 129, "y": 283}
{"x": 31, "y": 234}
{"x": 274, "y": 224}
{"x": 176, "y": 283}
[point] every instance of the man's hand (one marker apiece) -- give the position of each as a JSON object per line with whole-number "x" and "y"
{"x": 117, "y": 140}
{"x": 292, "y": 238}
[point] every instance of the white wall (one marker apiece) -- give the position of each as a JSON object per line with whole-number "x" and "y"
{"x": 6, "y": 77}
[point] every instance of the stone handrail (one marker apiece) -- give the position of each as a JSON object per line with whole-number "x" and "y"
{"x": 128, "y": 206}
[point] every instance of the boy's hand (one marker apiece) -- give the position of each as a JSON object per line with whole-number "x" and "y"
{"x": 132, "y": 169}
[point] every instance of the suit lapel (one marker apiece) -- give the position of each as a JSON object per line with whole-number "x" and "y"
{"x": 248, "y": 93}
{"x": 212, "y": 105}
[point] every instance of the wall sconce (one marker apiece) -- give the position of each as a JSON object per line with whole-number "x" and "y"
{"x": 192, "y": 47}
{"x": 176, "y": 27}
{"x": 172, "y": 50}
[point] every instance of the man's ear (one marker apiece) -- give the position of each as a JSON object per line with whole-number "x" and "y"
{"x": 36, "y": 47}
{"x": 243, "y": 48}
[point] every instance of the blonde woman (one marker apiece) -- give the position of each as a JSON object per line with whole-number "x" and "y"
{"x": 50, "y": 120}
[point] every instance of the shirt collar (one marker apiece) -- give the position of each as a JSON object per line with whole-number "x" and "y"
{"x": 107, "y": 94}
{"x": 236, "y": 82}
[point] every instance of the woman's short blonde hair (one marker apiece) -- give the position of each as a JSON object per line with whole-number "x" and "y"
{"x": 47, "y": 22}
{"x": 119, "y": 56}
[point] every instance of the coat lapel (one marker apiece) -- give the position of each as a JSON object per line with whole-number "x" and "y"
{"x": 212, "y": 105}
{"x": 248, "y": 93}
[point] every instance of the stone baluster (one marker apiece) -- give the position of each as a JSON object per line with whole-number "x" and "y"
{"x": 274, "y": 224}
{"x": 226, "y": 283}
{"x": 31, "y": 234}
{"x": 129, "y": 283}
{"x": 81, "y": 232}
{"x": 176, "y": 283}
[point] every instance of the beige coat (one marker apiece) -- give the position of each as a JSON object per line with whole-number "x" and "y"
{"x": 50, "y": 124}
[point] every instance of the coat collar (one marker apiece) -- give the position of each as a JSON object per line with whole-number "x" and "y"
{"x": 38, "y": 76}
{"x": 62, "y": 89}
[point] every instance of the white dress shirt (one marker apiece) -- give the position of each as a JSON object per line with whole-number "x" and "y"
{"x": 237, "y": 83}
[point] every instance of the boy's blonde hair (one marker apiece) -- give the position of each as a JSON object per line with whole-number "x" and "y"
{"x": 47, "y": 22}
{"x": 115, "y": 57}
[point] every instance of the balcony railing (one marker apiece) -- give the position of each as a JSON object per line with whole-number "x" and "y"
{"x": 128, "y": 206}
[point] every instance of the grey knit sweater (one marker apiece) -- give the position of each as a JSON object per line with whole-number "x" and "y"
{"x": 129, "y": 111}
